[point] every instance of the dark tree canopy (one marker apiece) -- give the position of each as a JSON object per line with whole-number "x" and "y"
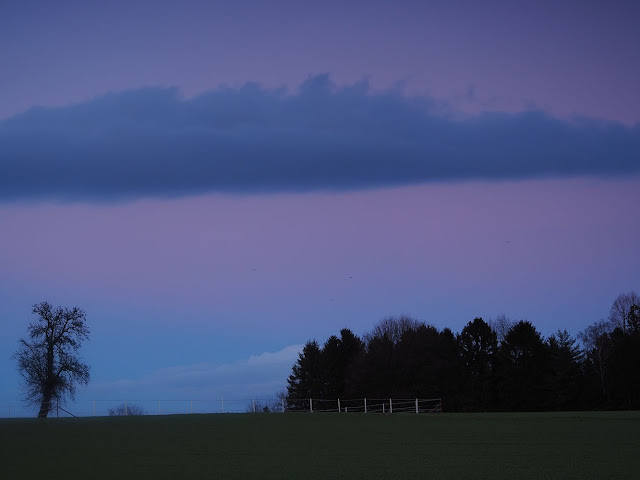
{"x": 496, "y": 365}
{"x": 521, "y": 367}
{"x": 597, "y": 344}
{"x": 324, "y": 372}
{"x": 564, "y": 377}
{"x": 478, "y": 349}
{"x": 306, "y": 379}
{"x": 48, "y": 359}
{"x": 478, "y": 344}
{"x": 337, "y": 356}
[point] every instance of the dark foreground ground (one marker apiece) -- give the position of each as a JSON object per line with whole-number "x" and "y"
{"x": 325, "y": 446}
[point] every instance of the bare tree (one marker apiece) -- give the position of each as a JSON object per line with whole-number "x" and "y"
{"x": 393, "y": 328}
{"x": 501, "y": 325}
{"x": 597, "y": 345}
{"x": 48, "y": 359}
{"x": 126, "y": 410}
{"x": 623, "y": 312}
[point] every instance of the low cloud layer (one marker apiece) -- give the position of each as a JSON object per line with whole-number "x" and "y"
{"x": 259, "y": 376}
{"x": 153, "y": 143}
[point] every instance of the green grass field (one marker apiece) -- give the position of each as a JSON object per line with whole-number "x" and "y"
{"x": 325, "y": 446}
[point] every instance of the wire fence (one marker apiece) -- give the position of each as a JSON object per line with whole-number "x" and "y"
{"x": 129, "y": 407}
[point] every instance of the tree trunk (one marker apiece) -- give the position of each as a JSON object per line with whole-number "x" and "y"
{"x": 45, "y": 406}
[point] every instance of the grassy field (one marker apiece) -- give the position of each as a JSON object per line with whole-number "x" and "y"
{"x": 325, "y": 446}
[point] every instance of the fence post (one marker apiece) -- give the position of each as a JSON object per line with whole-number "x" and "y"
{"x": 190, "y": 406}
{"x": 222, "y": 400}
{"x": 417, "y": 405}
{"x": 158, "y": 407}
{"x": 365, "y": 405}
{"x": 94, "y": 408}
{"x": 390, "y": 406}
{"x": 57, "y": 408}
{"x": 382, "y": 407}
{"x": 126, "y": 412}
{"x": 254, "y": 405}
{"x": 283, "y": 405}
{"x": 339, "y": 406}
{"x": 311, "y": 405}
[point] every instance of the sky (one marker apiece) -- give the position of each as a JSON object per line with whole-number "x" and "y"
{"x": 215, "y": 183}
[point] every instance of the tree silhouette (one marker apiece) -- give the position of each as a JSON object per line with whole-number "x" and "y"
{"x": 338, "y": 355}
{"x": 597, "y": 345}
{"x": 501, "y": 325}
{"x": 126, "y": 410}
{"x": 48, "y": 360}
{"x": 306, "y": 379}
{"x": 624, "y": 369}
{"x": 624, "y": 311}
{"x": 499, "y": 365}
{"x": 522, "y": 368}
{"x": 416, "y": 362}
{"x": 393, "y": 328}
{"x": 565, "y": 374}
{"x": 379, "y": 370}
{"x": 478, "y": 346}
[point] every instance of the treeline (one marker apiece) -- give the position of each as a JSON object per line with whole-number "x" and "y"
{"x": 501, "y": 365}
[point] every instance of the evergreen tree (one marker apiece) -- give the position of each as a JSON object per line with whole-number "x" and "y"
{"x": 478, "y": 345}
{"x": 339, "y": 355}
{"x": 565, "y": 376}
{"x": 522, "y": 365}
{"x": 306, "y": 379}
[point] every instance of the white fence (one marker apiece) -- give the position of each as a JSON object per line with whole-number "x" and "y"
{"x": 130, "y": 407}
{"x": 366, "y": 405}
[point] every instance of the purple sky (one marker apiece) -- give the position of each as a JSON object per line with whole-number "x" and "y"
{"x": 296, "y": 212}
{"x": 565, "y": 57}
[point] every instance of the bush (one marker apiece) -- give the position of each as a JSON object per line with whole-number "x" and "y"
{"x": 273, "y": 405}
{"x": 126, "y": 409}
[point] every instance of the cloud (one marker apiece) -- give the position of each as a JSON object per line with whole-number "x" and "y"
{"x": 152, "y": 142}
{"x": 258, "y": 376}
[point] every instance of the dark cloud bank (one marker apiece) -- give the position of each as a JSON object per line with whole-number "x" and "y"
{"x": 151, "y": 142}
